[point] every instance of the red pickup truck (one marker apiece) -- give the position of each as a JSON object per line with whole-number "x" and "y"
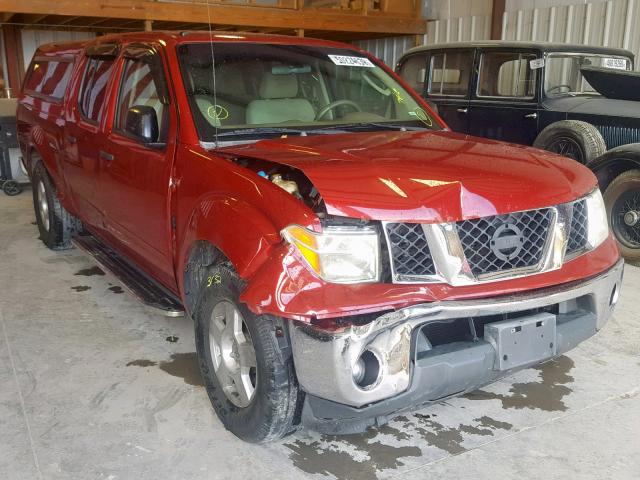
{"x": 343, "y": 255}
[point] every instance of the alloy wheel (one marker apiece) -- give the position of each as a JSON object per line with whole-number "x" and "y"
{"x": 232, "y": 354}
{"x": 43, "y": 205}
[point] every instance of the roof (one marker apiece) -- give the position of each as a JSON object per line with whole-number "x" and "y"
{"x": 178, "y": 37}
{"x": 542, "y": 46}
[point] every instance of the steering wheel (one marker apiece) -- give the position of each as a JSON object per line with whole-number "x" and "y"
{"x": 559, "y": 87}
{"x": 333, "y": 105}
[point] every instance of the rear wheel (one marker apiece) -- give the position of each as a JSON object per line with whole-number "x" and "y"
{"x": 574, "y": 139}
{"x": 245, "y": 362}
{"x": 622, "y": 199}
{"x": 55, "y": 224}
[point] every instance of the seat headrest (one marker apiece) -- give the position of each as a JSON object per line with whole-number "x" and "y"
{"x": 278, "y": 86}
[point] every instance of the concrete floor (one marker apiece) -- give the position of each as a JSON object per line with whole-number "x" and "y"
{"x": 94, "y": 387}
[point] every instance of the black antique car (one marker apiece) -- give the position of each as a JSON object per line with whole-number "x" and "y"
{"x": 576, "y": 100}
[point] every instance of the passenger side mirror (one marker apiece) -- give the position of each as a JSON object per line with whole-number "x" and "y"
{"x": 142, "y": 123}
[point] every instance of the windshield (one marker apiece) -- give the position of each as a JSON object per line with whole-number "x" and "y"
{"x": 274, "y": 89}
{"x": 563, "y": 77}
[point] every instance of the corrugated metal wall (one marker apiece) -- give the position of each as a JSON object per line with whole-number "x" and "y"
{"x": 32, "y": 39}
{"x": 611, "y": 23}
{"x": 614, "y": 23}
{"x": 389, "y": 50}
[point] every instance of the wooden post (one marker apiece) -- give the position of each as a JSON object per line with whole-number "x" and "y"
{"x": 148, "y": 25}
{"x": 300, "y": 32}
{"x": 496, "y": 19}
{"x": 15, "y": 57}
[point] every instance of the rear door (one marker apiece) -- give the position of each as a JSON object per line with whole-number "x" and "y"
{"x": 448, "y": 83}
{"x": 504, "y": 102}
{"x": 83, "y": 134}
{"x": 135, "y": 174}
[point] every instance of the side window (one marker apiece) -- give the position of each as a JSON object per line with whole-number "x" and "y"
{"x": 507, "y": 74}
{"x": 49, "y": 78}
{"x": 139, "y": 88}
{"x": 94, "y": 88}
{"x": 413, "y": 71}
{"x": 450, "y": 73}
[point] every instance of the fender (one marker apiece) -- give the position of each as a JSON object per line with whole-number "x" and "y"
{"x": 614, "y": 162}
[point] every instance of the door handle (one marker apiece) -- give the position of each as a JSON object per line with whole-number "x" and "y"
{"x": 106, "y": 156}
{"x": 531, "y": 115}
{"x": 463, "y": 110}
{"x": 71, "y": 139}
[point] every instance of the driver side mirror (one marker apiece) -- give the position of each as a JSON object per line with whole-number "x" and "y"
{"x": 142, "y": 123}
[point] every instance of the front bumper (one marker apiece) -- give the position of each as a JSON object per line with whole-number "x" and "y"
{"x": 414, "y": 372}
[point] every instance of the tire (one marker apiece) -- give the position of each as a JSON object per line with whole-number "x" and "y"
{"x": 574, "y": 139}
{"x": 622, "y": 197}
{"x": 11, "y": 188}
{"x": 272, "y": 410}
{"x": 55, "y": 224}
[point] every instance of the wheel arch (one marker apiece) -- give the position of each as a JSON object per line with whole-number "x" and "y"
{"x": 615, "y": 162}
{"x": 223, "y": 230}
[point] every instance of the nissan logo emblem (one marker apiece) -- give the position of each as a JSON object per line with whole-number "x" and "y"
{"x": 507, "y": 242}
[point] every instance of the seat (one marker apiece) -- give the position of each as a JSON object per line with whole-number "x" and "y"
{"x": 278, "y": 102}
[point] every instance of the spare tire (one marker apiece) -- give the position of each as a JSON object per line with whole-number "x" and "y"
{"x": 622, "y": 199}
{"x": 574, "y": 139}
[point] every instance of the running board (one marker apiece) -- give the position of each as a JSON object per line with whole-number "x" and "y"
{"x": 138, "y": 283}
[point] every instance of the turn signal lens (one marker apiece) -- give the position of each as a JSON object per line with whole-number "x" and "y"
{"x": 339, "y": 254}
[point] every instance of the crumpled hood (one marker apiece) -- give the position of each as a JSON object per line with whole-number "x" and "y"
{"x": 425, "y": 176}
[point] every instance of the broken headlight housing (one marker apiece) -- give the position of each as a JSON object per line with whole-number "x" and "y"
{"x": 338, "y": 254}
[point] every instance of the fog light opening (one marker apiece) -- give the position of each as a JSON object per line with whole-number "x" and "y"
{"x": 614, "y": 296}
{"x": 366, "y": 370}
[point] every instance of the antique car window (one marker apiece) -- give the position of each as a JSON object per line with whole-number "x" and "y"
{"x": 297, "y": 87}
{"x": 49, "y": 78}
{"x": 563, "y": 76}
{"x": 139, "y": 88}
{"x": 94, "y": 87}
{"x": 506, "y": 74}
{"x": 450, "y": 73}
{"x": 413, "y": 71}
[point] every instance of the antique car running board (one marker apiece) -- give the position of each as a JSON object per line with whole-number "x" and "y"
{"x": 139, "y": 284}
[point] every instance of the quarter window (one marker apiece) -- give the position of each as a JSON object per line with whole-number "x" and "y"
{"x": 49, "y": 78}
{"x": 140, "y": 88}
{"x": 507, "y": 74}
{"x": 413, "y": 71}
{"x": 450, "y": 73}
{"x": 94, "y": 88}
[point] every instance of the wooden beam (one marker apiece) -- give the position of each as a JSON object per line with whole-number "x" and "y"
{"x": 496, "y": 19}
{"x": 15, "y": 57}
{"x": 307, "y": 19}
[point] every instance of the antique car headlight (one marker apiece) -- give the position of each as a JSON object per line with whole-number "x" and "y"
{"x": 338, "y": 254}
{"x": 597, "y": 223}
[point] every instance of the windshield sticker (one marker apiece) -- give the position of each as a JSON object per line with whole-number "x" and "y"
{"x": 423, "y": 116}
{"x": 537, "y": 63}
{"x": 351, "y": 61}
{"x": 217, "y": 112}
{"x": 615, "y": 63}
{"x": 398, "y": 94}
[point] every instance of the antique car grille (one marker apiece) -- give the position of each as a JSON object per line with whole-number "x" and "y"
{"x": 409, "y": 249}
{"x": 578, "y": 233}
{"x": 485, "y": 240}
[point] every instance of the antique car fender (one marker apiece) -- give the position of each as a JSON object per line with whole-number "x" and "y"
{"x": 614, "y": 162}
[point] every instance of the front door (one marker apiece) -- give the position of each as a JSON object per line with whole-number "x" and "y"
{"x": 449, "y": 75}
{"x": 136, "y": 171}
{"x": 504, "y": 102}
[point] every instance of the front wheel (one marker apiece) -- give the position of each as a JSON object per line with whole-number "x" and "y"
{"x": 622, "y": 199}
{"x": 245, "y": 362}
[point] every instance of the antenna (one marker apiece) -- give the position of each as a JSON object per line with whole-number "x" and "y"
{"x": 213, "y": 71}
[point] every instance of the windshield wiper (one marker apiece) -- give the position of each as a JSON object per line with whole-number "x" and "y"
{"x": 261, "y": 131}
{"x": 386, "y": 126}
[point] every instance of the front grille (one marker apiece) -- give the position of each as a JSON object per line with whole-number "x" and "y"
{"x": 409, "y": 249}
{"x": 479, "y": 239}
{"x": 578, "y": 235}
{"x": 615, "y": 135}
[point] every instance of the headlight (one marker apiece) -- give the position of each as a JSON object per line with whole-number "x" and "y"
{"x": 339, "y": 254}
{"x": 597, "y": 223}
